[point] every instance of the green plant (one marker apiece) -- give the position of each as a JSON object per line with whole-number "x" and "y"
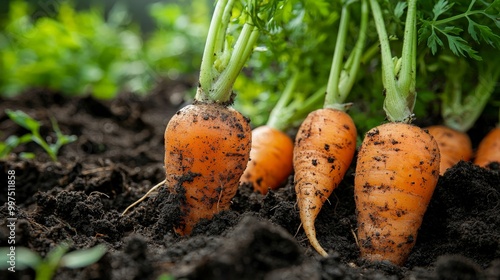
{"x": 176, "y": 45}
{"x": 165, "y": 277}
{"x": 288, "y": 66}
{"x": 74, "y": 52}
{"x": 33, "y": 126}
{"x": 447, "y": 20}
{"x": 45, "y": 268}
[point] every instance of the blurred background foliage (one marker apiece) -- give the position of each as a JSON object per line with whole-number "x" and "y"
{"x": 98, "y": 49}
{"x": 103, "y": 48}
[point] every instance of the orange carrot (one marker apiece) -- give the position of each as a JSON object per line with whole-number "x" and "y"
{"x": 326, "y": 140}
{"x": 397, "y": 170}
{"x": 398, "y": 164}
{"x": 207, "y": 149}
{"x": 207, "y": 144}
{"x": 454, "y": 146}
{"x": 489, "y": 149}
{"x": 324, "y": 148}
{"x": 270, "y": 159}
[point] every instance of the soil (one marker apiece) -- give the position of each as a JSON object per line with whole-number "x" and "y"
{"x": 118, "y": 157}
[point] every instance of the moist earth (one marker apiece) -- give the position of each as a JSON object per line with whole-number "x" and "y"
{"x": 118, "y": 157}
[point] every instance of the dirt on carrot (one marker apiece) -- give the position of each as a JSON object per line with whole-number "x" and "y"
{"x": 396, "y": 173}
{"x": 207, "y": 148}
{"x": 119, "y": 155}
{"x": 324, "y": 148}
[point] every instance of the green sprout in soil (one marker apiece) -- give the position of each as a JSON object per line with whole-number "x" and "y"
{"x": 45, "y": 268}
{"x": 33, "y": 126}
{"x": 165, "y": 277}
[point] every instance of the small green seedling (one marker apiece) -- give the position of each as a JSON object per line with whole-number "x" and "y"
{"x": 22, "y": 258}
{"x": 165, "y": 277}
{"x": 33, "y": 125}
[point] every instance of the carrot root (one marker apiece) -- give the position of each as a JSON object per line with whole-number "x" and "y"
{"x": 207, "y": 150}
{"x": 324, "y": 148}
{"x": 271, "y": 158}
{"x": 454, "y": 146}
{"x": 396, "y": 173}
{"x": 488, "y": 150}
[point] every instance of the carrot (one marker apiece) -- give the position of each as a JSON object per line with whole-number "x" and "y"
{"x": 324, "y": 148}
{"x": 488, "y": 150}
{"x": 207, "y": 144}
{"x": 398, "y": 164}
{"x": 326, "y": 140}
{"x": 207, "y": 149}
{"x": 271, "y": 154}
{"x": 397, "y": 169}
{"x": 454, "y": 146}
{"x": 270, "y": 159}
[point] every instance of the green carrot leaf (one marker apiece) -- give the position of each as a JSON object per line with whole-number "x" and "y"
{"x": 459, "y": 46}
{"x": 440, "y": 8}
{"x": 400, "y": 9}
{"x": 433, "y": 42}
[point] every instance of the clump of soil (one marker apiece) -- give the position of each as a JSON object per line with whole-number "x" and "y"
{"x": 119, "y": 155}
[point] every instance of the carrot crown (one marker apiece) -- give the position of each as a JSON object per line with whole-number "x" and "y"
{"x": 398, "y": 77}
{"x": 342, "y": 79}
{"x": 221, "y": 64}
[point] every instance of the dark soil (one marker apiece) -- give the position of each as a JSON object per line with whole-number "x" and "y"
{"x": 118, "y": 157}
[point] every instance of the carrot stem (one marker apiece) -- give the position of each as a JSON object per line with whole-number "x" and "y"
{"x": 220, "y": 40}
{"x": 461, "y": 112}
{"x": 220, "y": 64}
{"x": 308, "y": 106}
{"x": 214, "y": 39}
{"x": 399, "y": 86}
{"x": 277, "y": 117}
{"x": 407, "y": 76}
{"x": 354, "y": 60}
{"x": 222, "y": 89}
{"x": 333, "y": 97}
{"x": 342, "y": 77}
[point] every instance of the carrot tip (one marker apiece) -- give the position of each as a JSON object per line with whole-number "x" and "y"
{"x": 311, "y": 235}
{"x": 318, "y": 247}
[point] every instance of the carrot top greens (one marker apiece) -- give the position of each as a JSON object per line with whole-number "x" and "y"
{"x": 222, "y": 61}
{"x": 463, "y": 104}
{"x": 295, "y": 50}
{"x": 434, "y": 27}
{"x": 439, "y": 21}
{"x": 283, "y": 89}
{"x": 398, "y": 77}
{"x": 471, "y": 29}
{"x": 342, "y": 79}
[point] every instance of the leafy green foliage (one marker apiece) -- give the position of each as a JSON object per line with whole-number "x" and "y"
{"x": 449, "y": 20}
{"x": 58, "y": 257}
{"x": 82, "y": 52}
{"x": 33, "y": 125}
{"x": 299, "y": 40}
{"x": 176, "y": 46}
{"x": 75, "y": 53}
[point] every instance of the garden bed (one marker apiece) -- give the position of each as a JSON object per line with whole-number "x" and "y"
{"x": 119, "y": 156}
